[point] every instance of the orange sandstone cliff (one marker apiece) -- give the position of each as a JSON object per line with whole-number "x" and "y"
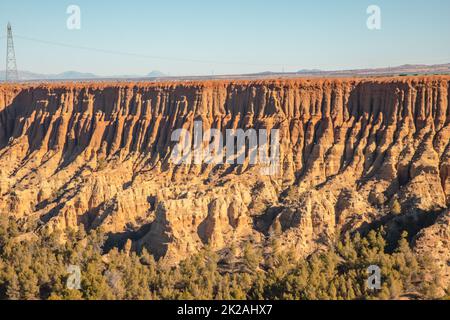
{"x": 97, "y": 155}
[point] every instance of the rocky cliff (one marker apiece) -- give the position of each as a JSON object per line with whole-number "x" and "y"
{"x": 98, "y": 155}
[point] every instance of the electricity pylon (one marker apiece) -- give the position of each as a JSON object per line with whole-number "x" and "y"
{"x": 11, "y": 65}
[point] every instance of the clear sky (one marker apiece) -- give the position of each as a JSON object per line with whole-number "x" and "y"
{"x": 201, "y": 37}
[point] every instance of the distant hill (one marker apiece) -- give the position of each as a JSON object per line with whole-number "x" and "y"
{"x": 309, "y": 71}
{"x": 407, "y": 69}
{"x": 156, "y": 74}
{"x": 402, "y": 70}
{"x": 23, "y": 75}
{"x": 68, "y": 75}
{"x": 74, "y": 75}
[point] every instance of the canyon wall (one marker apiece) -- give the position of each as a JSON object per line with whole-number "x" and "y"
{"x": 98, "y": 155}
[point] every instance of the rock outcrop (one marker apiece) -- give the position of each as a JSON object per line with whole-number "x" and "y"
{"x": 98, "y": 155}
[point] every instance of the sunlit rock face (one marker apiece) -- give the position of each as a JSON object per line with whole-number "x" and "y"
{"x": 99, "y": 155}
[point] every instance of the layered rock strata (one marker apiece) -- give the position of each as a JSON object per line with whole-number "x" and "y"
{"x": 98, "y": 155}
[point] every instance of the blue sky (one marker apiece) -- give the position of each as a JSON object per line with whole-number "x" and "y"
{"x": 201, "y": 37}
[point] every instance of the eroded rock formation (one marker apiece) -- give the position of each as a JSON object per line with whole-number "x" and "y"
{"x": 98, "y": 155}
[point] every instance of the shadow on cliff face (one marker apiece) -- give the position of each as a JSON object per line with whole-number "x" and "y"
{"x": 412, "y": 221}
{"x": 367, "y": 104}
{"x": 119, "y": 239}
{"x": 262, "y": 223}
{"x": 64, "y": 195}
{"x": 25, "y": 105}
{"x": 8, "y": 116}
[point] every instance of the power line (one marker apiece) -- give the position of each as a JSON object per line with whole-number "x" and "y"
{"x": 66, "y": 45}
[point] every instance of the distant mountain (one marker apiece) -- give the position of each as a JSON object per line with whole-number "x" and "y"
{"x": 23, "y": 75}
{"x": 68, "y": 75}
{"x": 156, "y": 74}
{"x": 402, "y": 70}
{"x": 73, "y": 75}
{"x": 309, "y": 71}
{"x": 265, "y": 73}
{"x": 406, "y": 69}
